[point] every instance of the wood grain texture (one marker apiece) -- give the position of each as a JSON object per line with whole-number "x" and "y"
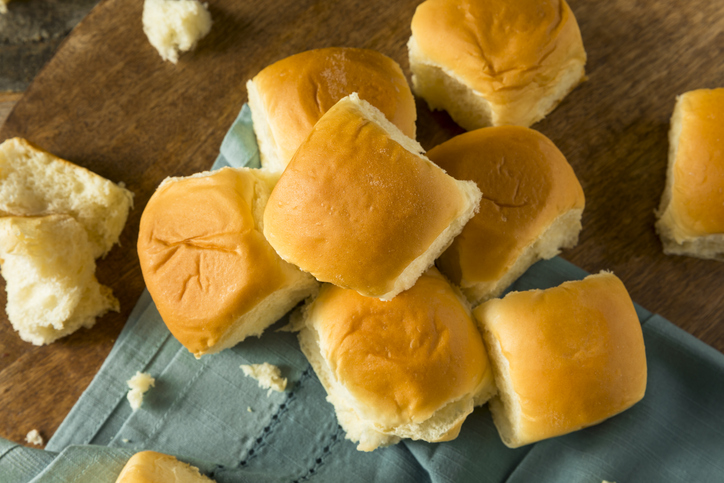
{"x": 107, "y": 102}
{"x": 7, "y": 102}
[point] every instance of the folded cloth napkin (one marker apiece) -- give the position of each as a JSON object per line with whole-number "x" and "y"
{"x": 209, "y": 414}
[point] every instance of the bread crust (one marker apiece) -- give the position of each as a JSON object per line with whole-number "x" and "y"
{"x": 531, "y": 207}
{"x": 564, "y": 358}
{"x": 691, "y": 214}
{"x": 413, "y": 367}
{"x": 212, "y": 275}
{"x": 496, "y": 62}
{"x": 359, "y": 207}
{"x": 288, "y": 97}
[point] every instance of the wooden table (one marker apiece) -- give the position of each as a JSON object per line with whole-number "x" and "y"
{"x": 106, "y": 101}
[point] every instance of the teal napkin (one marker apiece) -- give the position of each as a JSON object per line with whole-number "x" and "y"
{"x": 209, "y": 414}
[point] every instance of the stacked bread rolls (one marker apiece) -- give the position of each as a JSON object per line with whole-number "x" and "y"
{"x": 356, "y": 205}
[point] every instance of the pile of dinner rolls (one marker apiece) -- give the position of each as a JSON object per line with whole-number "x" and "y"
{"x": 401, "y": 255}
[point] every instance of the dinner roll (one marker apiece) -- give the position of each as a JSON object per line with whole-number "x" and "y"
{"x": 35, "y": 182}
{"x": 691, "y": 215}
{"x": 214, "y": 278}
{"x": 413, "y": 367}
{"x": 360, "y": 207}
{"x": 564, "y": 358}
{"x": 532, "y": 205}
{"x": 495, "y": 62}
{"x": 48, "y": 265}
{"x": 288, "y": 97}
{"x": 153, "y": 467}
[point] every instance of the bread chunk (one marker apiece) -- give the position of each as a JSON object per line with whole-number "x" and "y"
{"x": 267, "y": 375}
{"x": 49, "y": 269}
{"x": 139, "y": 385}
{"x": 175, "y": 26}
{"x": 35, "y": 182}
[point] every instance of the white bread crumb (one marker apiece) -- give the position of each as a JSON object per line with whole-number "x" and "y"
{"x": 174, "y": 26}
{"x": 139, "y": 384}
{"x": 33, "y": 437}
{"x": 268, "y": 376}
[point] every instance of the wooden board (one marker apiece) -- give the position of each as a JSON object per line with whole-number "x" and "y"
{"x": 106, "y": 101}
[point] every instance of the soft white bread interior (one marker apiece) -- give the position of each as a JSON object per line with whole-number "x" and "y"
{"x": 214, "y": 278}
{"x": 413, "y": 367}
{"x": 153, "y": 467}
{"x": 493, "y": 63}
{"x": 564, "y": 358}
{"x": 49, "y": 267}
{"x": 35, "y": 182}
{"x": 175, "y": 26}
{"x": 531, "y": 208}
{"x": 691, "y": 215}
{"x": 359, "y": 206}
{"x": 288, "y": 97}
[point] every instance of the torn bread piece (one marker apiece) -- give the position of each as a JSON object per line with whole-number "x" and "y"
{"x": 359, "y": 206}
{"x": 49, "y": 269}
{"x": 175, "y": 26}
{"x": 34, "y": 437}
{"x": 35, "y": 182}
{"x": 139, "y": 385}
{"x": 267, "y": 375}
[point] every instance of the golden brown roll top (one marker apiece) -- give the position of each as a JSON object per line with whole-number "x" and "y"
{"x": 564, "y": 358}
{"x": 288, "y": 97}
{"x": 692, "y": 207}
{"x": 521, "y": 56}
{"x": 412, "y": 367}
{"x": 153, "y": 467}
{"x": 532, "y": 204}
{"x": 359, "y": 207}
{"x": 213, "y": 276}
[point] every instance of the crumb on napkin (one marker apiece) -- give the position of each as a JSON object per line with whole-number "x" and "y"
{"x": 139, "y": 385}
{"x": 268, "y": 376}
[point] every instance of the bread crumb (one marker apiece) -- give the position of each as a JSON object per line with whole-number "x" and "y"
{"x": 268, "y": 376}
{"x": 33, "y": 437}
{"x": 249, "y": 410}
{"x": 174, "y": 26}
{"x": 139, "y": 384}
{"x": 126, "y": 440}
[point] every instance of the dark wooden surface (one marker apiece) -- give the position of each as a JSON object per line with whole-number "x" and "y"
{"x": 30, "y": 33}
{"x": 107, "y": 102}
